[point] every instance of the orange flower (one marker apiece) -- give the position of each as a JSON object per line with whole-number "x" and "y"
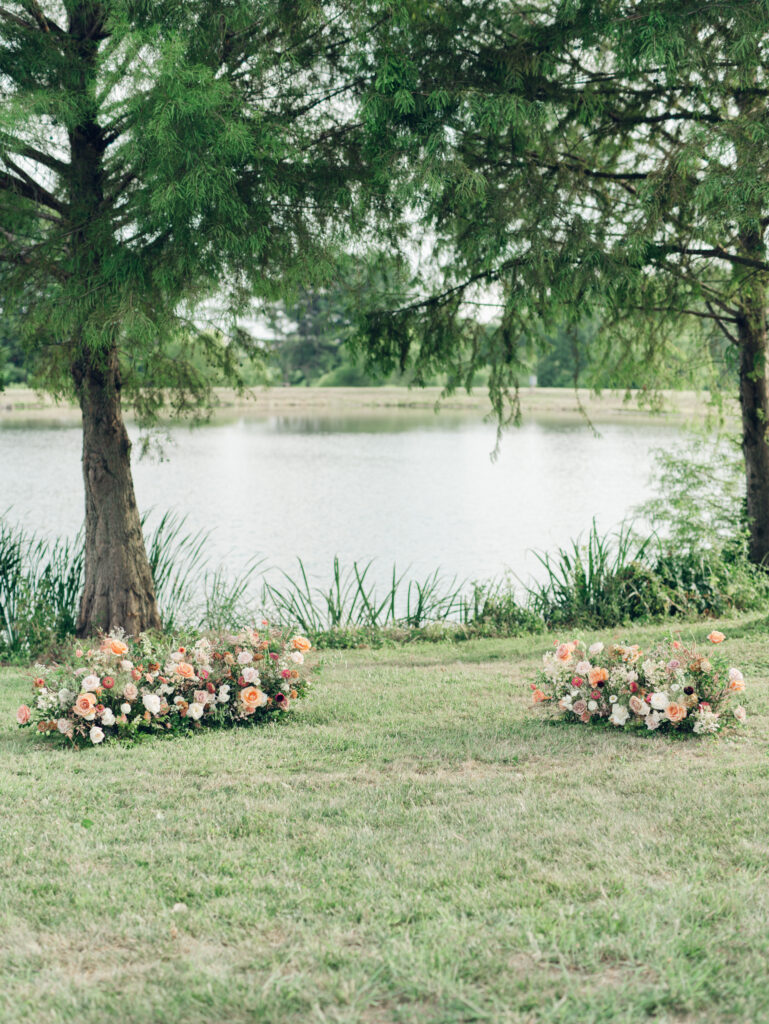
{"x": 564, "y": 652}
{"x": 252, "y": 698}
{"x": 301, "y": 643}
{"x": 538, "y": 696}
{"x": 737, "y": 685}
{"x": 715, "y": 637}
{"x": 597, "y": 675}
{"x": 113, "y": 646}
{"x": 184, "y": 669}
{"x": 85, "y": 706}
{"x": 676, "y": 712}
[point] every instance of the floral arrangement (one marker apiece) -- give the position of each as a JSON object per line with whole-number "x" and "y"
{"x": 672, "y": 687}
{"x": 127, "y": 687}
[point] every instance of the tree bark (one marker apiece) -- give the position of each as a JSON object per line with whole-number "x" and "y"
{"x": 754, "y": 403}
{"x": 118, "y": 591}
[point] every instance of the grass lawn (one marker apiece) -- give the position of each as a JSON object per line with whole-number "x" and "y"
{"x": 414, "y": 844}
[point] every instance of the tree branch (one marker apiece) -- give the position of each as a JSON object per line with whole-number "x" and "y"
{"x": 28, "y": 188}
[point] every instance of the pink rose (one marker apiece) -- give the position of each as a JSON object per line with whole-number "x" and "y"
{"x": 580, "y": 707}
{"x": 23, "y": 715}
{"x": 130, "y": 691}
{"x": 201, "y": 696}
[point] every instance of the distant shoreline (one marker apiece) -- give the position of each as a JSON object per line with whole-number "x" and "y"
{"x": 23, "y": 406}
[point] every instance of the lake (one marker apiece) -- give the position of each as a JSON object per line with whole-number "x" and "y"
{"x": 407, "y": 487}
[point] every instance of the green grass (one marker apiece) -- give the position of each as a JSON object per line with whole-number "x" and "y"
{"x": 413, "y": 845}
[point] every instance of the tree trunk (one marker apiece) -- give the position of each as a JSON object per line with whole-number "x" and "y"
{"x": 118, "y": 590}
{"x": 754, "y": 402}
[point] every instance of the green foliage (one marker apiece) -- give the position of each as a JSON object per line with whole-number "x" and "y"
{"x": 699, "y": 502}
{"x": 161, "y": 165}
{"x": 575, "y": 163}
{"x": 602, "y": 582}
{"x": 39, "y": 589}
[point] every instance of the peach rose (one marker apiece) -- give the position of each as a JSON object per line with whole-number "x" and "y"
{"x": 597, "y": 675}
{"x": 675, "y": 712}
{"x": 184, "y": 669}
{"x": 85, "y": 706}
{"x": 563, "y": 652}
{"x": 637, "y": 705}
{"x": 130, "y": 692}
{"x": 301, "y": 643}
{"x": 252, "y": 698}
{"x": 716, "y": 637}
{"x": 116, "y": 647}
{"x": 737, "y": 685}
{"x": 23, "y": 715}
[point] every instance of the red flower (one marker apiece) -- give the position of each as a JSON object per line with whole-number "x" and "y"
{"x": 576, "y": 681}
{"x": 634, "y": 687}
{"x": 108, "y": 682}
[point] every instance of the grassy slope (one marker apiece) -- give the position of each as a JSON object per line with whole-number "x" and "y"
{"x": 413, "y": 845}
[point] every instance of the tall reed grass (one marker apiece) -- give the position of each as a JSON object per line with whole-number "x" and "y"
{"x": 606, "y": 579}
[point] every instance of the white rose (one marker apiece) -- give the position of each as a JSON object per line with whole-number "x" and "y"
{"x": 151, "y": 701}
{"x": 298, "y": 658}
{"x": 619, "y": 714}
{"x": 735, "y": 676}
{"x": 165, "y": 688}
{"x": 195, "y": 711}
{"x": 91, "y": 683}
{"x": 64, "y": 726}
{"x": 125, "y": 708}
{"x": 594, "y": 649}
{"x": 245, "y": 657}
{"x": 613, "y": 699}
{"x": 652, "y": 721}
{"x": 224, "y": 694}
{"x": 250, "y": 675}
{"x": 96, "y": 734}
{"x": 582, "y": 668}
{"x": 107, "y": 717}
{"x": 592, "y": 705}
{"x": 66, "y": 697}
{"x": 659, "y": 701}
{"x": 126, "y": 665}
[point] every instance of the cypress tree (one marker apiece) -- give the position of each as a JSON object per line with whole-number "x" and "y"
{"x": 155, "y": 154}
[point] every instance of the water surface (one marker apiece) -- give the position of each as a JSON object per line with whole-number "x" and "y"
{"x": 412, "y": 488}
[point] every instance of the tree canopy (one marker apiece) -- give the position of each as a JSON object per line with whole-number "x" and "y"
{"x": 155, "y": 155}
{"x": 598, "y": 159}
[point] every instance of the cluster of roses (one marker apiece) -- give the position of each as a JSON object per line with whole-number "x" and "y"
{"x": 672, "y": 687}
{"x": 125, "y": 687}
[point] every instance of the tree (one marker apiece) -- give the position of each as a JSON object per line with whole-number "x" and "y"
{"x": 154, "y": 155}
{"x": 597, "y": 158}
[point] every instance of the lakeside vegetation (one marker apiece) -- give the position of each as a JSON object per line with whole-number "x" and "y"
{"x": 415, "y": 846}
{"x": 686, "y": 557}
